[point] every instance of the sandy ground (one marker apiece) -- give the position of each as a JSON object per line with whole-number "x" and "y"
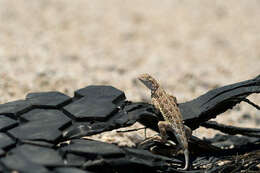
{"x": 190, "y": 46}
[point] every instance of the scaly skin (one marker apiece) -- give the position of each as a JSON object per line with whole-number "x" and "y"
{"x": 168, "y": 107}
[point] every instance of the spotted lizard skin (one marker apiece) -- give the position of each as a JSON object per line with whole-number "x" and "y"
{"x": 168, "y": 107}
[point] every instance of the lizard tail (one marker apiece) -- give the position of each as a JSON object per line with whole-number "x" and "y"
{"x": 186, "y": 154}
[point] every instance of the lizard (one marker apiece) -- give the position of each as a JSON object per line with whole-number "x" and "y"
{"x": 170, "y": 111}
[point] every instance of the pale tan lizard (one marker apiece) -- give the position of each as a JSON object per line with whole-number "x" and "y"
{"x": 173, "y": 121}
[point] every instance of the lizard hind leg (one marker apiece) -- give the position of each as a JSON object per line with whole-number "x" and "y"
{"x": 165, "y": 126}
{"x": 188, "y": 131}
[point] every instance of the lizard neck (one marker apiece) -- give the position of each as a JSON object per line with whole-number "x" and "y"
{"x": 154, "y": 92}
{"x": 155, "y": 86}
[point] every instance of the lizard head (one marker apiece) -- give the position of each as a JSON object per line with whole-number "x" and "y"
{"x": 148, "y": 81}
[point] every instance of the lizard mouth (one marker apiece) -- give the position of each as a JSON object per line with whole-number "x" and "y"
{"x": 146, "y": 83}
{"x": 146, "y": 80}
{"x": 141, "y": 79}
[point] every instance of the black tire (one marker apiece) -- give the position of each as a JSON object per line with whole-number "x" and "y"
{"x": 34, "y": 132}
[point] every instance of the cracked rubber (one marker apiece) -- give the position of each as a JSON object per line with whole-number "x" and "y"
{"x": 32, "y": 131}
{"x": 43, "y": 132}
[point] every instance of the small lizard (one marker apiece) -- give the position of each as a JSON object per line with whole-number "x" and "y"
{"x": 168, "y": 107}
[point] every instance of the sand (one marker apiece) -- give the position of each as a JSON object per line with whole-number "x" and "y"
{"x": 190, "y": 46}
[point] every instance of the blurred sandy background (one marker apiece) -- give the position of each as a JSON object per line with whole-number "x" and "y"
{"x": 190, "y": 46}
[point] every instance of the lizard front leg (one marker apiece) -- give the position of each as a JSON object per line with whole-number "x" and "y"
{"x": 173, "y": 98}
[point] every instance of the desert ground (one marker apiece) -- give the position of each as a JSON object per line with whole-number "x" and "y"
{"x": 189, "y": 46}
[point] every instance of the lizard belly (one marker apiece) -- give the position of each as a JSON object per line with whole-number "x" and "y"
{"x": 170, "y": 111}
